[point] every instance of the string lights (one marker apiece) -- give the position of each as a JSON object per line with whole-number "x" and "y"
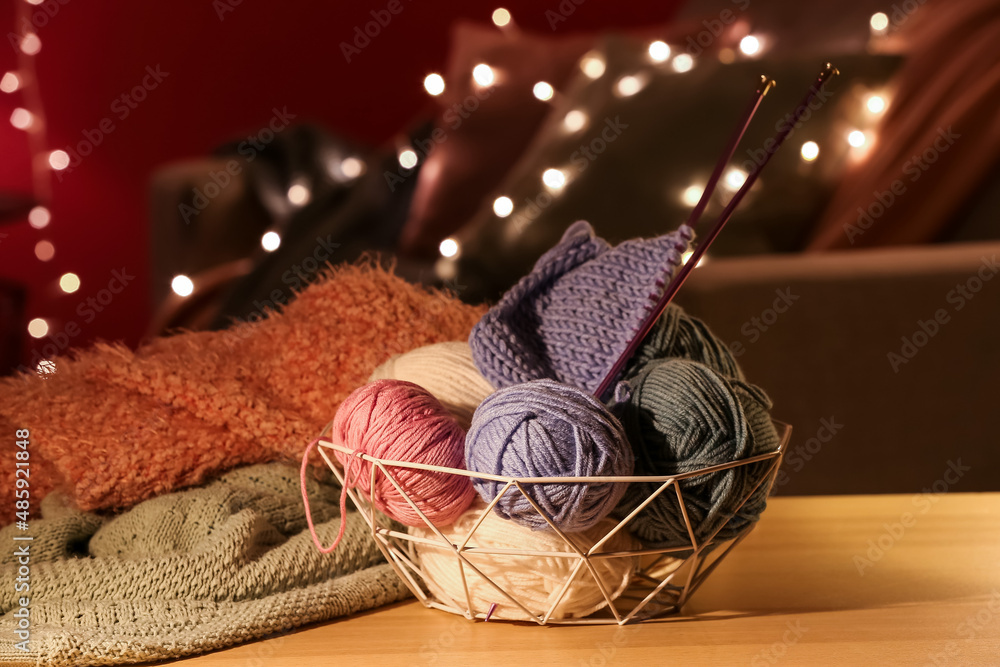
{"x": 270, "y": 241}
{"x": 28, "y": 116}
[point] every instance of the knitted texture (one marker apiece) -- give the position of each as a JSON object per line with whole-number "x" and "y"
{"x": 681, "y": 416}
{"x": 115, "y": 427}
{"x": 190, "y": 571}
{"x": 547, "y": 429}
{"x": 397, "y": 420}
{"x": 575, "y": 313}
{"x": 447, "y": 371}
{"x": 679, "y": 335}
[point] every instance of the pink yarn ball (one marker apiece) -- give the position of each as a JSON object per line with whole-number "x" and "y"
{"x": 400, "y": 421}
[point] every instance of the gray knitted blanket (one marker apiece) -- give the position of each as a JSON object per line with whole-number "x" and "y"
{"x": 187, "y": 572}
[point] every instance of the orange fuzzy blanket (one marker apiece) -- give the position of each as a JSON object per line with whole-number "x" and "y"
{"x": 113, "y": 427}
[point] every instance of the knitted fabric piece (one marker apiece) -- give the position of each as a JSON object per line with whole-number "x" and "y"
{"x": 115, "y": 427}
{"x": 190, "y": 571}
{"x": 575, "y": 313}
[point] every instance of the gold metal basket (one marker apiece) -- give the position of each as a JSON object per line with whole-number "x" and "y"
{"x": 664, "y": 578}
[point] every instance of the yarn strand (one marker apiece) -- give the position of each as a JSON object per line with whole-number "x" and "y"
{"x": 305, "y": 500}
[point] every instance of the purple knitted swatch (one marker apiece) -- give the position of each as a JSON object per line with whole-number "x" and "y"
{"x": 575, "y": 313}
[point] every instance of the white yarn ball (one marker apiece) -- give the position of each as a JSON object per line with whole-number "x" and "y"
{"x": 447, "y": 371}
{"x": 535, "y": 581}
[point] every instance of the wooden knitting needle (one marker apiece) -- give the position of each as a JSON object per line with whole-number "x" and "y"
{"x": 675, "y": 284}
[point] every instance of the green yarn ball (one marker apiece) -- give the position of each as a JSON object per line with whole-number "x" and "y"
{"x": 681, "y": 416}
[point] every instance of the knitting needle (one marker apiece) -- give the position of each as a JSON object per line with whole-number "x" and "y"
{"x": 675, "y": 284}
{"x": 763, "y": 86}
{"x": 760, "y": 90}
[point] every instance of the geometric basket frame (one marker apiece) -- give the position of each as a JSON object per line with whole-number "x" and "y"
{"x": 664, "y": 578}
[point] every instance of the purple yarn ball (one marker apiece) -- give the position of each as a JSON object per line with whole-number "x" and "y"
{"x": 547, "y": 429}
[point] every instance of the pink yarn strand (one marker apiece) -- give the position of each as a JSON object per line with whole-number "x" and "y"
{"x": 305, "y": 501}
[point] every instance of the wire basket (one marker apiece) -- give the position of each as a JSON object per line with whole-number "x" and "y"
{"x": 663, "y": 579}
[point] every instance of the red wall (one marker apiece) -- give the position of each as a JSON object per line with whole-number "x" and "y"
{"x": 226, "y": 65}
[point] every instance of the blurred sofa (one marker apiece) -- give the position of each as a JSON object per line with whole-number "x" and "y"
{"x": 885, "y": 361}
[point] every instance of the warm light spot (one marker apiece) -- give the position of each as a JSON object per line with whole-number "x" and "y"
{"x": 38, "y": 328}
{"x": 352, "y": 167}
{"x": 683, "y": 63}
{"x": 10, "y": 82}
{"x": 659, "y": 51}
{"x": 39, "y": 217}
{"x": 21, "y": 118}
{"x": 501, "y": 17}
{"x": 543, "y": 91}
{"x": 810, "y": 151}
{"x": 575, "y": 120}
{"x": 735, "y": 178}
{"x": 434, "y": 84}
{"x": 686, "y": 256}
{"x": 270, "y": 241}
{"x": 592, "y": 64}
{"x": 879, "y": 22}
{"x": 727, "y": 56}
{"x": 692, "y": 195}
{"x": 69, "y": 282}
{"x": 45, "y": 367}
{"x": 182, "y": 285}
{"x": 503, "y": 207}
{"x": 44, "y": 250}
{"x": 554, "y": 179}
{"x": 299, "y": 195}
{"x": 875, "y": 103}
{"x": 483, "y": 74}
{"x": 30, "y": 44}
{"x": 407, "y": 158}
{"x": 749, "y": 45}
{"x": 58, "y": 160}
{"x": 448, "y": 247}
{"x": 629, "y": 85}
{"x": 857, "y": 138}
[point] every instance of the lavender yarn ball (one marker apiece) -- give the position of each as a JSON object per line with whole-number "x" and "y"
{"x": 547, "y": 429}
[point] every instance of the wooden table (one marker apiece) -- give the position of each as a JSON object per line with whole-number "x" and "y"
{"x": 835, "y": 580}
